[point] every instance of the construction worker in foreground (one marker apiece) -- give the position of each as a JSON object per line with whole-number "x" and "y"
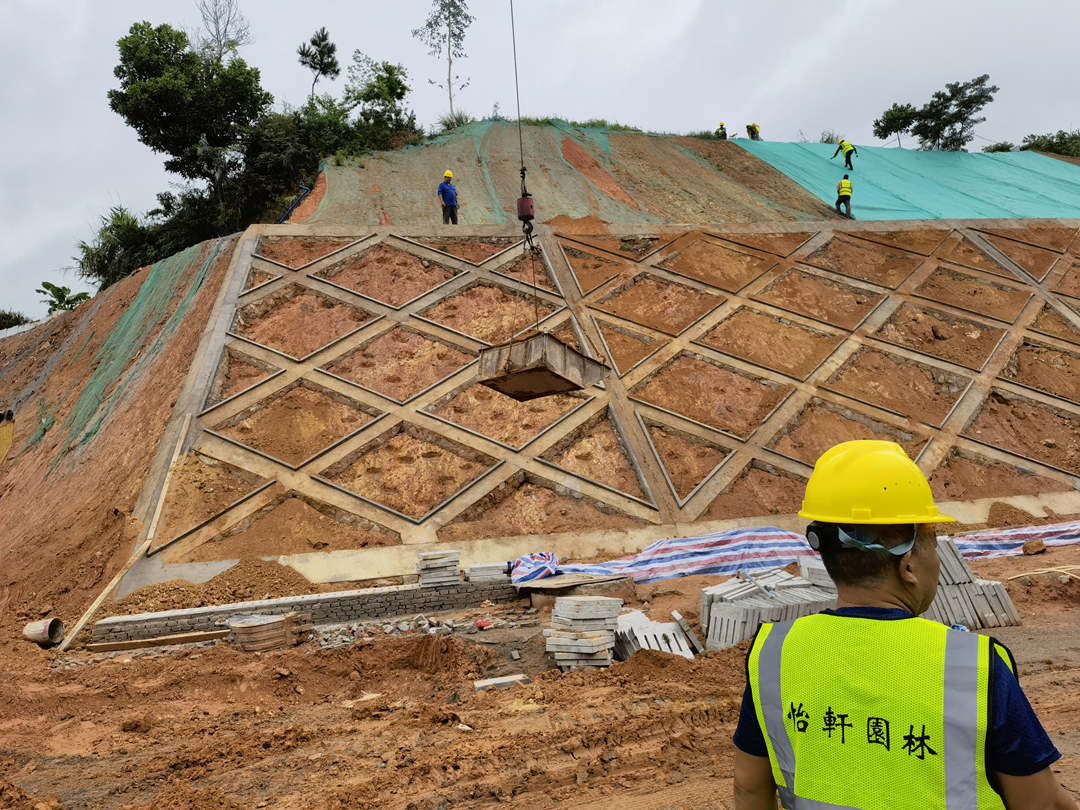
{"x": 753, "y": 132}
{"x": 448, "y": 198}
{"x": 848, "y": 149}
{"x": 844, "y": 190}
{"x": 721, "y": 132}
{"x": 866, "y": 706}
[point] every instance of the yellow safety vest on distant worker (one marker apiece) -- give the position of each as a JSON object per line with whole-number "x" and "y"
{"x": 846, "y": 147}
{"x": 844, "y": 188}
{"x": 874, "y": 714}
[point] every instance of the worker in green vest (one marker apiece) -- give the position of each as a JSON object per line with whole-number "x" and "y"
{"x": 848, "y": 150}
{"x": 844, "y": 190}
{"x": 867, "y": 707}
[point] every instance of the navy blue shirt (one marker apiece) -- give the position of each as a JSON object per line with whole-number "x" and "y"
{"x": 448, "y": 193}
{"x": 1016, "y": 742}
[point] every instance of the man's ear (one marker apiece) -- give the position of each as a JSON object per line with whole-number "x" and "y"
{"x": 906, "y": 570}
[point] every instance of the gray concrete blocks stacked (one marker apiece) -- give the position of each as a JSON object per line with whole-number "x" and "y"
{"x": 636, "y": 631}
{"x": 438, "y": 568}
{"x": 963, "y": 599}
{"x": 487, "y": 572}
{"x": 582, "y": 631}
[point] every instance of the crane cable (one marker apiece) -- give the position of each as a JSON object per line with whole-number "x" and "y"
{"x": 526, "y": 224}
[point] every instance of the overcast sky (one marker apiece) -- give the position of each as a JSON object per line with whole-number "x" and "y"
{"x": 793, "y": 66}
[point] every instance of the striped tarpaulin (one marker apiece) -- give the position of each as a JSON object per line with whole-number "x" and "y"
{"x": 1008, "y": 542}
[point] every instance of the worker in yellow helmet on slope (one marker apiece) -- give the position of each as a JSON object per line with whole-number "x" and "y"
{"x": 866, "y": 706}
{"x": 848, "y": 149}
{"x": 753, "y": 132}
{"x": 844, "y": 190}
{"x": 721, "y": 132}
{"x": 448, "y": 197}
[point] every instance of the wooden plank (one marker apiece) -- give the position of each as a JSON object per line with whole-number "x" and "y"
{"x": 157, "y": 641}
{"x": 562, "y": 581}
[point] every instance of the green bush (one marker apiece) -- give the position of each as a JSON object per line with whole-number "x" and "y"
{"x": 10, "y": 318}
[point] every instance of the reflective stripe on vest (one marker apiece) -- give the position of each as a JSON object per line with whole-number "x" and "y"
{"x": 844, "y": 188}
{"x": 904, "y": 701}
{"x": 846, "y": 147}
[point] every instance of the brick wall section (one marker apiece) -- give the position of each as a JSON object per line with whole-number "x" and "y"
{"x": 325, "y": 608}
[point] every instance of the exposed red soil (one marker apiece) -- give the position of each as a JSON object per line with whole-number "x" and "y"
{"x": 472, "y": 250}
{"x": 939, "y": 334}
{"x": 712, "y": 395}
{"x": 297, "y": 322}
{"x": 918, "y": 240}
{"x": 974, "y": 294}
{"x": 1069, "y": 283}
{"x": 782, "y": 244}
{"x": 400, "y": 363}
{"x": 291, "y": 527}
{"x": 581, "y": 225}
{"x": 1041, "y": 599}
{"x": 502, "y": 418}
{"x": 488, "y": 313}
{"x": 819, "y": 426}
{"x": 589, "y": 270}
{"x": 964, "y": 478}
{"x": 664, "y": 306}
{"x": 529, "y": 508}
{"x": 297, "y": 251}
{"x": 387, "y": 274}
{"x": 597, "y": 175}
{"x": 758, "y": 492}
{"x": 687, "y": 460}
{"x": 23, "y": 355}
{"x": 310, "y": 204}
{"x": 772, "y": 342}
{"x": 912, "y": 389}
{"x": 598, "y": 453}
{"x": 865, "y": 261}
{"x": 634, "y": 247}
{"x": 199, "y": 488}
{"x": 1046, "y": 368}
{"x": 235, "y": 375}
{"x": 960, "y": 250}
{"x": 821, "y": 298}
{"x": 1006, "y": 516}
{"x": 1028, "y": 429}
{"x": 531, "y": 270}
{"x": 565, "y": 333}
{"x": 1054, "y": 237}
{"x": 1051, "y": 323}
{"x": 296, "y": 425}
{"x": 257, "y": 277}
{"x": 411, "y": 476}
{"x": 710, "y": 262}
{"x": 626, "y": 348}
{"x": 1036, "y": 261}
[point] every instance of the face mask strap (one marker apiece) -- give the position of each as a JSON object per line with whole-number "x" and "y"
{"x": 850, "y": 541}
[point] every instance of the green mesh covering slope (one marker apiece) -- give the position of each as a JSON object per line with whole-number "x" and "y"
{"x": 909, "y": 184}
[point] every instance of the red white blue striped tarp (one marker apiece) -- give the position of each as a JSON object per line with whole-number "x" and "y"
{"x": 1009, "y": 542}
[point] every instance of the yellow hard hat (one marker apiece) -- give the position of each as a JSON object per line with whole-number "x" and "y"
{"x": 448, "y": 173}
{"x": 869, "y": 482}
{"x": 721, "y": 123}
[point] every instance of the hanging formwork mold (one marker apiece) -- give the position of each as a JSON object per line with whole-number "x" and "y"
{"x": 538, "y": 366}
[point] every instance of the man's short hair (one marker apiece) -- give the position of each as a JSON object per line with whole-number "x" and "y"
{"x": 856, "y": 566}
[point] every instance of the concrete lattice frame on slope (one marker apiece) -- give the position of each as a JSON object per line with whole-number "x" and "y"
{"x": 663, "y": 512}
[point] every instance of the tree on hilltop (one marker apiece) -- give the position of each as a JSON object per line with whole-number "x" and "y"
{"x": 444, "y": 31}
{"x": 947, "y": 122}
{"x": 224, "y": 31}
{"x": 379, "y": 90}
{"x": 10, "y": 318}
{"x": 1059, "y": 143}
{"x": 319, "y": 55}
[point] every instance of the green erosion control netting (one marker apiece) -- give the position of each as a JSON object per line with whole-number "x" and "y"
{"x": 133, "y": 339}
{"x": 909, "y": 184}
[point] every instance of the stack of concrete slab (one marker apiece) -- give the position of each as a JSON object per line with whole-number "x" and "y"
{"x": 487, "y": 572}
{"x": 582, "y": 631}
{"x": 438, "y": 568}
{"x": 636, "y": 631}
{"x": 964, "y": 599}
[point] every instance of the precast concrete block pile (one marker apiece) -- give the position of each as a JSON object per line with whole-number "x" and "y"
{"x": 438, "y": 568}
{"x": 487, "y": 572}
{"x": 582, "y": 632}
{"x": 962, "y": 599}
{"x": 636, "y": 631}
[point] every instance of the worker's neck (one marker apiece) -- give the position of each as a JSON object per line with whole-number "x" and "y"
{"x": 880, "y": 596}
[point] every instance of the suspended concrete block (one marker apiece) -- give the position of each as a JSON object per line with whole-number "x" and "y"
{"x": 537, "y": 366}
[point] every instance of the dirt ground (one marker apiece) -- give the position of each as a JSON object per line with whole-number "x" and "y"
{"x": 946, "y": 336}
{"x": 235, "y": 375}
{"x": 1051, "y": 323}
{"x": 709, "y": 261}
{"x": 1055, "y": 237}
{"x": 962, "y": 477}
{"x": 962, "y": 251}
{"x": 769, "y": 493}
{"x": 199, "y": 488}
{"x": 596, "y": 174}
{"x": 782, "y": 244}
{"x": 488, "y": 313}
{"x": 1028, "y": 429}
{"x": 974, "y": 294}
{"x": 296, "y": 251}
{"x": 473, "y": 250}
{"x": 591, "y": 271}
{"x": 626, "y": 348}
{"x": 820, "y": 298}
{"x": 1069, "y": 283}
{"x": 597, "y": 453}
{"x": 664, "y": 306}
{"x": 531, "y": 270}
{"x": 878, "y": 265}
{"x": 310, "y": 203}
{"x": 387, "y": 274}
{"x": 687, "y": 460}
{"x": 297, "y": 322}
{"x": 1046, "y": 368}
{"x": 502, "y": 418}
{"x": 918, "y": 240}
{"x": 819, "y": 426}
{"x": 1036, "y": 261}
{"x": 771, "y": 342}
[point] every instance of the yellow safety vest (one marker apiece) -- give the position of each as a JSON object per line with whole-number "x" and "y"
{"x": 844, "y": 188}
{"x": 874, "y": 715}
{"x": 846, "y": 147}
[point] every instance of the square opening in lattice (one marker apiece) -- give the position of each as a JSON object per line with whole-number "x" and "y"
{"x": 771, "y": 341}
{"x": 974, "y": 293}
{"x": 821, "y": 298}
{"x": 941, "y": 334}
{"x": 863, "y": 260}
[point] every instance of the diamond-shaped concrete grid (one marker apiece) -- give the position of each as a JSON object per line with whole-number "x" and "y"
{"x": 712, "y": 394}
{"x": 1045, "y": 368}
{"x": 760, "y": 489}
{"x": 821, "y": 298}
{"x": 256, "y": 278}
{"x": 475, "y": 250}
{"x": 590, "y": 271}
{"x": 408, "y": 470}
{"x": 293, "y": 524}
{"x": 298, "y": 251}
{"x": 297, "y": 321}
{"x": 897, "y": 384}
{"x": 527, "y": 504}
{"x": 488, "y": 312}
{"x": 596, "y": 451}
{"x": 709, "y": 261}
{"x": 399, "y": 364}
{"x": 974, "y": 293}
{"x": 941, "y": 334}
{"x": 633, "y": 247}
{"x": 662, "y": 305}
{"x": 1069, "y": 282}
{"x": 964, "y": 475}
{"x": 297, "y": 423}
{"x": 626, "y": 347}
{"x": 960, "y": 250}
{"x": 687, "y": 460}
{"x": 1035, "y": 261}
{"x": 1050, "y": 322}
{"x": 497, "y": 416}
{"x": 386, "y": 274}
{"x": 874, "y": 263}
{"x": 235, "y": 373}
{"x": 923, "y": 241}
{"x": 781, "y": 244}
{"x": 1028, "y": 428}
{"x": 1055, "y": 237}
{"x": 772, "y": 342}
{"x": 820, "y": 425}
{"x": 529, "y": 269}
